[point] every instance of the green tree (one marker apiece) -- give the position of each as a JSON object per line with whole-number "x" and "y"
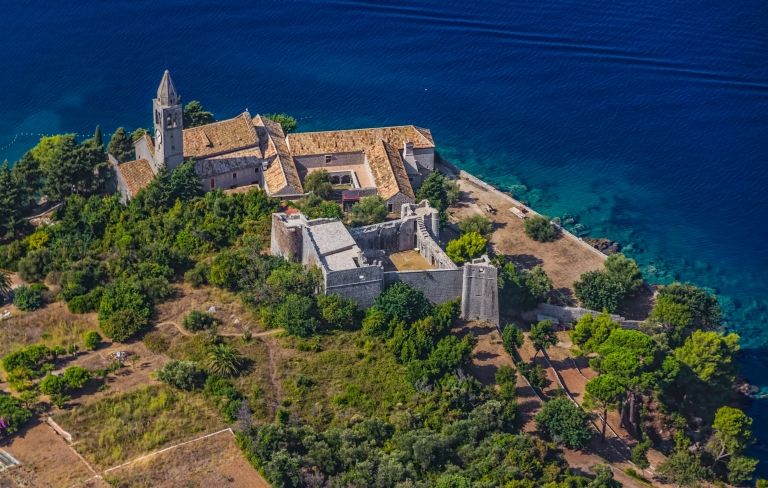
{"x": 13, "y": 412}
{"x": 683, "y": 468}
{"x": 543, "y": 335}
{"x": 138, "y": 134}
{"x": 540, "y": 229}
{"x": 603, "y": 478}
{"x": 522, "y": 290}
{"x": 224, "y": 360}
{"x": 196, "y": 321}
{"x": 564, "y": 422}
{"x": 591, "y": 331}
{"x": 512, "y": 337}
{"x": 624, "y": 270}
{"x": 11, "y": 203}
{"x": 52, "y": 385}
{"x": 29, "y": 178}
{"x": 98, "y": 138}
{"x": 639, "y": 454}
{"x": 338, "y": 312}
{"x": 297, "y": 314}
{"x": 120, "y": 146}
{"x": 123, "y": 324}
{"x": 597, "y": 290}
{"x": 287, "y": 123}
{"x": 402, "y": 302}
{"x": 315, "y": 207}
{"x": 195, "y": 115}
{"x": 76, "y": 377}
{"x": 741, "y": 469}
{"x": 476, "y": 223}
{"x": 682, "y": 308}
{"x": 369, "y": 210}
{"x": 731, "y": 433}
{"x": 466, "y": 247}
{"x": 710, "y": 369}
{"x": 319, "y": 182}
{"x": 68, "y": 167}
{"x": 603, "y": 393}
{"x": 434, "y": 189}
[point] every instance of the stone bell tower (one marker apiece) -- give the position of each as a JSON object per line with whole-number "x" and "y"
{"x": 169, "y": 140}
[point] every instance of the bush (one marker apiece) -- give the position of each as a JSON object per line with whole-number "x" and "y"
{"x": 564, "y": 422}
{"x": 338, "y": 312}
{"x": 540, "y": 229}
{"x": 76, "y": 377}
{"x": 156, "y": 342}
{"x": 124, "y": 295}
{"x": 196, "y": 321}
{"x": 185, "y": 375}
{"x": 52, "y": 385}
{"x": 124, "y": 324}
{"x": 369, "y": 210}
{"x": 296, "y": 314}
{"x": 402, "y": 302}
{"x": 92, "y": 340}
{"x": 512, "y": 337}
{"x": 466, "y": 247}
{"x": 597, "y": 290}
{"x": 29, "y": 298}
{"x": 522, "y": 290}
{"x": 319, "y": 182}
{"x": 198, "y": 276}
{"x": 478, "y": 224}
{"x": 34, "y": 266}
{"x": 14, "y": 414}
{"x": 639, "y": 454}
{"x": 86, "y": 303}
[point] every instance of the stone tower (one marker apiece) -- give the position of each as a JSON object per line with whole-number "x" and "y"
{"x": 169, "y": 150}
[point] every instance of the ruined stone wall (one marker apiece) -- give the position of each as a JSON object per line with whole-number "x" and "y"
{"x": 393, "y": 236}
{"x": 431, "y": 250}
{"x": 480, "y": 291}
{"x": 569, "y": 315}
{"x": 362, "y": 285}
{"x": 438, "y": 285}
{"x": 285, "y": 241}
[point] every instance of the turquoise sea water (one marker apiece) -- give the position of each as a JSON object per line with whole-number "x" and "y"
{"x": 646, "y": 121}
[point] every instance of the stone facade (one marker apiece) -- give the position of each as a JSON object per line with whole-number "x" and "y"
{"x": 351, "y": 259}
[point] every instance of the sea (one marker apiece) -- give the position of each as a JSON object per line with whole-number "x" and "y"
{"x": 643, "y": 122}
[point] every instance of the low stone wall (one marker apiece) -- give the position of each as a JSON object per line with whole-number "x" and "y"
{"x": 56, "y": 427}
{"x": 438, "y": 285}
{"x": 569, "y": 315}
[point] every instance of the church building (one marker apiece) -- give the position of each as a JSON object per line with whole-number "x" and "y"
{"x": 245, "y": 150}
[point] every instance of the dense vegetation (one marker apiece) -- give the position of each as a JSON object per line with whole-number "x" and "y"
{"x": 605, "y": 289}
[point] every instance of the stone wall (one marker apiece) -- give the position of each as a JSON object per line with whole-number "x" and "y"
{"x": 438, "y": 285}
{"x": 480, "y": 291}
{"x": 362, "y": 285}
{"x": 430, "y": 249}
{"x": 250, "y": 175}
{"x": 569, "y": 315}
{"x": 393, "y": 236}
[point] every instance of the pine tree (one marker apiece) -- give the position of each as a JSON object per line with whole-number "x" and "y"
{"x": 97, "y": 137}
{"x": 120, "y": 146}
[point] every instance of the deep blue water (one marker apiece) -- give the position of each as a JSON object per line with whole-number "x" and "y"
{"x": 648, "y": 121}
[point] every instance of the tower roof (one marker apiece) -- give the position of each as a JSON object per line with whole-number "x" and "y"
{"x": 166, "y": 92}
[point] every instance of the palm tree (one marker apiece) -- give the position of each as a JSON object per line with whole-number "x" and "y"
{"x": 5, "y": 284}
{"x": 224, "y": 360}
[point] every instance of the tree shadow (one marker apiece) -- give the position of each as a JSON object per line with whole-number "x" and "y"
{"x": 526, "y": 261}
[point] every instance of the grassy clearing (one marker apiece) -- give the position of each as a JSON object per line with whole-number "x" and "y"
{"x": 52, "y": 325}
{"x": 255, "y": 383}
{"x": 120, "y": 428}
{"x": 350, "y": 374}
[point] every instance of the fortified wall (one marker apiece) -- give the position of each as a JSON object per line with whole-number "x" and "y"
{"x": 359, "y": 263}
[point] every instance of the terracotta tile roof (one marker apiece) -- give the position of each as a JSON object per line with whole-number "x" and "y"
{"x": 281, "y": 175}
{"x": 355, "y": 140}
{"x": 220, "y": 137}
{"x": 388, "y": 171}
{"x": 136, "y": 175}
{"x": 229, "y": 162}
{"x": 150, "y": 143}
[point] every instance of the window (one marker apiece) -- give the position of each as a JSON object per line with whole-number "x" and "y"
{"x": 213, "y": 183}
{"x": 389, "y": 207}
{"x": 328, "y": 159}
{"x": 234, "y": 176}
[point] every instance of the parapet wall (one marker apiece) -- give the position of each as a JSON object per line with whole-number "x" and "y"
{"x": 393, "y": 236}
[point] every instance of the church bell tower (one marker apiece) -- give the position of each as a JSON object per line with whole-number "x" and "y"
{"x": 168, "y": 116}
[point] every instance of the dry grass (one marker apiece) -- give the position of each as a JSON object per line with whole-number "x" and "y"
{"x": 120, "y": 428}
{"x": 51, "y": 325}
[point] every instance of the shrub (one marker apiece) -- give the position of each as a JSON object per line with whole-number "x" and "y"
{"x": 478, "y": 224}
{"x": 512, "y": 337}
{"x": 401, "y": 301}
{"x": 319, "y": 182}
{"x": 31, "y": 358}
{"x": 224, "y": 360}
{"x": 34, "y": 266}
{"x": 92, "y": 340}
{"x": 369, "y": 210}
{"x": 76, "y": 377}
{"x": 156, "y": 342}
{"x": 29, "y": 298}
{"x": 52, "y": 385}
{"x": 297, "y": 315}
{"x": 624, "y": 270}
{"x": 639, "y": 454}
{"x": 198, "y": 276}
{"x": 86, "y": 303}
{"x": 564, "y": 422}
{"x": 466, "y": 247}
{"x": 13, "y": 413}
{"x": 597, "y": 290}
{"x": 540, "y": 229}
{"x": 338, "y": 312}
{"x": 196, "y": 321}
{"x": 121, "y": 295}
{"x": 523, "y": 289}
{"x": 185, "y": 375}
{"x": 124, "y": 324}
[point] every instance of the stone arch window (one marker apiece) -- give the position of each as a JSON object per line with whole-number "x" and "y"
{"x": 346, "y": 180}
{"x": 157, "y": 117}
